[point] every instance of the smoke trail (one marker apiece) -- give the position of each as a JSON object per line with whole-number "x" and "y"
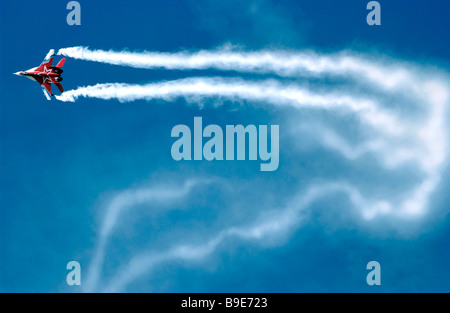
{"x": 194, "y": 89}
{"x": 281, "y": 63}
{"x": 124, "y": 202}
{"x": 283, "y": 221}
{"x": 429, "y": 154}
{"x": 396, "y": 141}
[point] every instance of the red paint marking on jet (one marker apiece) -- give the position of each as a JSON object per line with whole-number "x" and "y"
{"x": 46, "y": 74}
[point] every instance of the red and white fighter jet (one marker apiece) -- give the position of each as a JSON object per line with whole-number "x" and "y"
{"x": 46, "y": 74}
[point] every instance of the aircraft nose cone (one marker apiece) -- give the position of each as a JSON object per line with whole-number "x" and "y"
{"x": 18, "y": 73}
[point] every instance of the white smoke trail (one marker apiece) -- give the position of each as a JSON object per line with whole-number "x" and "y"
{"x": 124, "y": 202}
{"x": 284, "y": 220}
{"x": 281, "y": 63}
{"x": 194, "y": 89}
{"x": 397, "y": 140}
{"x": 429, "y": 154}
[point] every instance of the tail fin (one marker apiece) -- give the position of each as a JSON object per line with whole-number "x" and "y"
{"x": 60, "y": 87}
{"x": 61, "y": 63}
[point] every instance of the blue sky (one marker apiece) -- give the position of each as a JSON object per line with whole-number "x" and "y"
{"x": 64, "y": 163}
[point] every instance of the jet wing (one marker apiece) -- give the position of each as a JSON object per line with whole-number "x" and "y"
{"x": 47, "y": 89}
{"x": 44, "y": 90}
{"x": 48, "y": 60}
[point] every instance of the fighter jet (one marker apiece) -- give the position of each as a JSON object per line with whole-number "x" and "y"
{"x": 46, "y": 74}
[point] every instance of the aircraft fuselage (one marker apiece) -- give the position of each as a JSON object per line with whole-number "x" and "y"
{"x": 46, "y": 74}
